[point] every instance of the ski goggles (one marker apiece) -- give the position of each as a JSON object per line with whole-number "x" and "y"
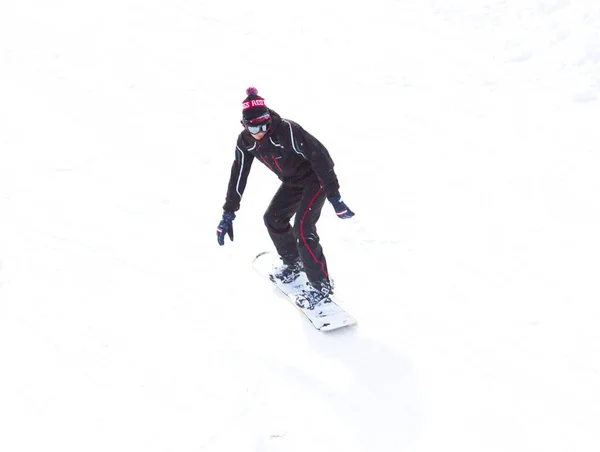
{"x": 258, "y": 125}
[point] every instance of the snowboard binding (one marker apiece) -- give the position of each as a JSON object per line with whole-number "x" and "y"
{"x": 287, "y": 273}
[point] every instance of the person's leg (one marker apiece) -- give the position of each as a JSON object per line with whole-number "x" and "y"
{"x": 305, "y": 229}
{"x": 277, "y": 218}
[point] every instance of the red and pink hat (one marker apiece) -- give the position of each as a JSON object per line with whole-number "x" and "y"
{"x": 253, "y": 105}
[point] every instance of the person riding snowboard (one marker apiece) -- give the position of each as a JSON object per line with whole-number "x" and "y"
{"x": 305, "y": 169}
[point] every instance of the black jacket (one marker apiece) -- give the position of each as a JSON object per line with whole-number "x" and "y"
{"x": 293, "y": 154}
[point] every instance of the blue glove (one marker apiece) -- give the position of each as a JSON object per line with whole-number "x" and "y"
{"x": 341, "y": 209}
{"x": 225, "y": 227}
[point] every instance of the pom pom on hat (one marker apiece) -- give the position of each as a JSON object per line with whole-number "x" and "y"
{"x": 253, "y": 105}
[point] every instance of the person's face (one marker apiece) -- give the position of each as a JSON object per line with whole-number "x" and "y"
{"x": 259, "y": 136}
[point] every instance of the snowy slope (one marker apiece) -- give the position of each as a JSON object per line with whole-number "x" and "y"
{"x": 465, "y": 138}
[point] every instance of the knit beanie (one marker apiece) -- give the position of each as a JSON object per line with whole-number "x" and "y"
{"x": 253, "y": 105}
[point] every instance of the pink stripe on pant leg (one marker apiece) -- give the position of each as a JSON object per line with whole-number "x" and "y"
{"x": 304, "y": 238}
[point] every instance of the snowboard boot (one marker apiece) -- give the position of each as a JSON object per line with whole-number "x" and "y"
{"x": 325, "y": 287}
{"x": 315, "y": 294}
{"x": 288, "y": 272}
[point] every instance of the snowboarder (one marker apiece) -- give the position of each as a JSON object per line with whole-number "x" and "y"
{"x": 305, "y": 169}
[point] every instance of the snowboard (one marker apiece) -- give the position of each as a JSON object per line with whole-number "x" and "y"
{"x": 327, "y": 315}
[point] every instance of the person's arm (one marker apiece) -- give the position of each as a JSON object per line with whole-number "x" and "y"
{"x": 235, "y": 189}
{"x": 318, "y": 157}
{"x": 240, "y": 169}
{"x": 322, "y": 164}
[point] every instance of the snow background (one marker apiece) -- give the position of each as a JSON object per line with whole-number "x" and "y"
{"x": 466, "y": 139}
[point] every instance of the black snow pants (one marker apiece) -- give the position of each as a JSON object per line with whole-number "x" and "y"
{"x": 302, "y": 240}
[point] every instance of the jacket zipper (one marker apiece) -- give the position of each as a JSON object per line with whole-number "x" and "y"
{"x": 277, "y": 164}
{"x": 266, "y": 163}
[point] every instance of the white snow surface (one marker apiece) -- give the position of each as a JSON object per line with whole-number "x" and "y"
{"x": 466, "y": 139}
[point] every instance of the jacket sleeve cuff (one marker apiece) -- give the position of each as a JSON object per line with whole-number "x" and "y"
{"x": 332, "y": 192}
